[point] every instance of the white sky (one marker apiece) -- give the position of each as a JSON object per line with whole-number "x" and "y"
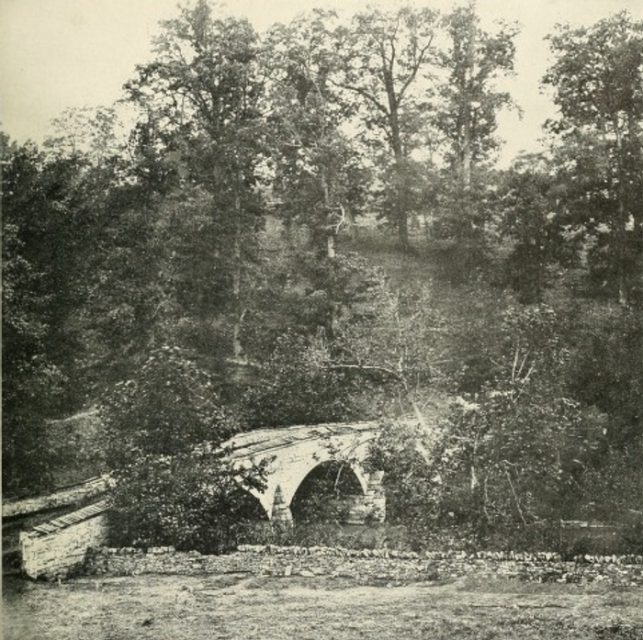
{"x": 56, "y": 54}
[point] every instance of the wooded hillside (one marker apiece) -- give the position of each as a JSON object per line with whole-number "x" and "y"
{"x": 311, "y": 221}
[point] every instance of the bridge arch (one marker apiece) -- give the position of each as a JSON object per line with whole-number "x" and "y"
{"x": 292, "y": 453}
{"x": 329, "y": 490}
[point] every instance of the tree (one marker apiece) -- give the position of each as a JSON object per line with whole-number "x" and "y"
{"x": 605, "y": 369}
{"x": 467, "y": 119}
{"x": 49, "y": 220}
{"x": 32, "y": 385}
{"x": 395, "y": 344}
{"x": 121, "y": 311}
{"x": 535, "y": 223}
{"x": 174, "y": 486}
{"x": 383, "y": 56}
{"x": 474, "y": 62}
{"x": 413, "y": 486}
{"x": 319, "y": 182}
{"x": 506, "y": 459}
{"x": 597, "y": 78}
{"x": 306, "y": 113}
{"x": 203, "y": 90}
{"x": 88, "y": 132}
{"x": 514, "y": 457}
{"x": 298, "y": 385}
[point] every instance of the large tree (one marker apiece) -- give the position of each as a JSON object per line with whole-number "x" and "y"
{"x": 597, "y": 77}
{"x": 384, "y": 55}
{"x": 317, "y": 172}
{"x": 319, "y": 181}
{"x": 52, "y": 209}
{"x": 534, "y": 227}
{"x": 174, "y": 484}
{"x": 203, "y": 90}
{"x": 473, "y": 62}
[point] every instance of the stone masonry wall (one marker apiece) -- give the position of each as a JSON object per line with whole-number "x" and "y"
{"x": 61, "y": 552}
{"x": 369, "y": 566}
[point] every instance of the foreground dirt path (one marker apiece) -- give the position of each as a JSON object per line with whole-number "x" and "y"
{"x": 231, "y": 607}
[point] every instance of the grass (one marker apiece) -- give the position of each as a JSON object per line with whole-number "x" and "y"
{"x": 271, "y": 608}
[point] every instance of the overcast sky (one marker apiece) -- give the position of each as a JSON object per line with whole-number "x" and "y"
{"x": 56, "y": 54}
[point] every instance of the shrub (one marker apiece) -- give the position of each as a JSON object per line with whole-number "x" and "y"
{"x": 195, "y": 500}
{"x": 631, "y": 535}
{"x": 414, "y": 491}
{"x": 297, "y": 385}
{"x": 174, "y": 485}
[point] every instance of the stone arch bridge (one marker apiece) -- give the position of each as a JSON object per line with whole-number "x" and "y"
{"x": 50, "y": 547}
{"x": 293, "y": 453}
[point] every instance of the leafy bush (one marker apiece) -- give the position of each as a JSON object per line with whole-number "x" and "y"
{"x": 174, "y": 485}
{"x": 194, "y": 500}
{"x": 413, "y": 487}
{"x": 298, "y": 386}
{"x": 509, "y": 458}
{"x": 166, "y": 409}
{"x": 606, "y": 369}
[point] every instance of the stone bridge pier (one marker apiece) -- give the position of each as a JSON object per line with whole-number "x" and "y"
{"x": 293, "y": 453}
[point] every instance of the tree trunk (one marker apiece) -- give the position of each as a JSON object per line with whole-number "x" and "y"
{"x": 620, "y": 233}
{"x": 237, "y": 350}
{"x": 352, "y": 224}
{"x": 467, "y": 151}
{"x": 621, "y": 253}
{"x": 403, "y": 229}
{"x": 401, "y": 213}
{"x": 330, "y": 246}
{"x": 331, "y": 322}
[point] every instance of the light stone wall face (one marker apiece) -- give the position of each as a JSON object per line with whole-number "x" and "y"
{"x": 62, "y": 552}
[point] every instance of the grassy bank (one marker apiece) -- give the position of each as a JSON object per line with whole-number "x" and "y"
{"x": 270, "y": 608}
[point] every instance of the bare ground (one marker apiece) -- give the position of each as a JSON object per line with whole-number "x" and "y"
{"x": 297, "y": 608}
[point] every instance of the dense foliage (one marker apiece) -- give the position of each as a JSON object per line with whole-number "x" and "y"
{"x": 164, "y": 429}
{"x": 232, "y": 221}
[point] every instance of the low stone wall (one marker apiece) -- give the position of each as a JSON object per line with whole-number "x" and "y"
{"x": 369, "y": 566}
